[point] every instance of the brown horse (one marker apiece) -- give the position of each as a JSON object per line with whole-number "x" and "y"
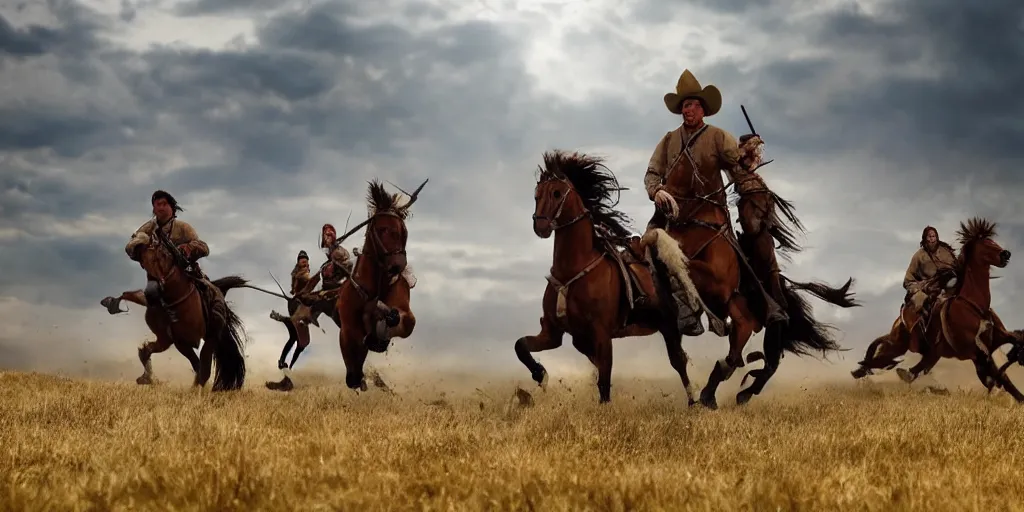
{"x": 373, "y": 303}
{"x": 963, "y": 326}
{"x": 596, "y": 292}
{"x": 199, "y": 316}
{"x": 716, "y": 275}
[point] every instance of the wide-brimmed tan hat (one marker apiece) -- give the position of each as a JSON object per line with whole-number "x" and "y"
{"x": 689, "y": 87}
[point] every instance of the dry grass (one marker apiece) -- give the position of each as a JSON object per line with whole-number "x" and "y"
{"x": 91, "y": 445}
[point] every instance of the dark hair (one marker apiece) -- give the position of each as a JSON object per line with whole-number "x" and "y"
{"x": 162, "y": 194}
{"x": 302, "y": 255}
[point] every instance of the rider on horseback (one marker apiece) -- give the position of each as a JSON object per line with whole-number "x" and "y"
{"x": 932, "y": 269}
{"x": 702, "y": 146}
{"x": 339, "y": 265}
{"x": 183, "y": 237}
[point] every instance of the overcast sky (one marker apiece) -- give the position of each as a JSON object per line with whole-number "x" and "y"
{"x": 266, "y": 118}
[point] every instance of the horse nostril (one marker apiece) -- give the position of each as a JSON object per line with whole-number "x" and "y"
{"x": 1005, "y": 254}
{"x": 394, "y": 269}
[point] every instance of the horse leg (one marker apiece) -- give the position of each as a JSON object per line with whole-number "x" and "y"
{"x": 925, "y": 365}
{"x": 113, "y": 304}
{"x": 190, "y": 354}
{"x": 772, "y": 357}
{"x": 999, "y": 377}
{"x": 550, "y": 337}
{"x": 742, "y": 330}
{"x": 602, "y": 343}
{"x": 292, "y": 338}
{"x": 146, "y": 351}
{"x": 302, "y": 336}
{"x": 678, "y": 359}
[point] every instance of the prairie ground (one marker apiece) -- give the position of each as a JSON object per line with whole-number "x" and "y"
{"x": 77, "y": 444}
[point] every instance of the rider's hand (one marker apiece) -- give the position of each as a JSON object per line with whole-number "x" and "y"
{"x": 186, "y": 250}
{"x": 666, "y": 203}
{"x": 751, "y": 149}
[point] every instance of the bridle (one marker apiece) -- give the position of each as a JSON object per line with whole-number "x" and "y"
{"x": 555, "y": 226}
{"x": 160, "y": 242}
{"x": 381, "y": 254}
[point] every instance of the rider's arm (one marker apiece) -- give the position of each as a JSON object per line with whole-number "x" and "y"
{"x": 730, "y": 156}
{"x": 341, "y": 257}
{"x": 196, "y": 247}
{"x": 656, "y": 168}
{"x": 146, "y": 228}
{"x": 910, "y": 278}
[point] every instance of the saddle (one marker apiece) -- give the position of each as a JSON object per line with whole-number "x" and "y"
{"x": 627, "y": 256}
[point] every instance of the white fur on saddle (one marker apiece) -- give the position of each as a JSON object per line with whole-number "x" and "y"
{"x": 672, "y": 256}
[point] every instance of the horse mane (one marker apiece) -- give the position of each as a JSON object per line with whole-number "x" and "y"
{"x": 975, "y": 230}
{"x": 594, "y": 183}
{"x": 380, "y": 200}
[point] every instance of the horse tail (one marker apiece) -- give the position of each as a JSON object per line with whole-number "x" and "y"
{"x": 785, "y": 227}
{"x": 804, "y": 333}
{"x": 841, "y": 296}
{"x": 229, "y": 283}
{"x": 227, "y": 353}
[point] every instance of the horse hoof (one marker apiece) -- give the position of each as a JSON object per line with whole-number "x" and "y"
{"x": 859, "y": 373}
{"x": 284, "y": 385}
{"x": 363, "y": 387}
{"x": 905, "y": 376}
{"x": 144, "y": 380}
{"x": 541, "y": 378}
{"x": 710, "y": 402}
{"x": 113, "y": 305}
{"x": 743, "y": 397}
{"x": 691, "y": 402}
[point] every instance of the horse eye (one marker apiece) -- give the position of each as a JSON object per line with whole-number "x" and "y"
{"x": 557, "y": 194}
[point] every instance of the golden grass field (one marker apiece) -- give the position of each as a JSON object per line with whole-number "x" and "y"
{"x": 70, "y": 444}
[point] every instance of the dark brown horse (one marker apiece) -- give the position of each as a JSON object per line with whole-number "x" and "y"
{"x": 595, "y": 287}
{"x": 963, "y": 326}
{"x": 884, "y": 352}
{"x": 373, "y": 303}
{"x": 713, "y": 272}
{"x": 198, "y": 317}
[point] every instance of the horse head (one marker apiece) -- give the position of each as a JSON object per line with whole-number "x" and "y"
{"x": 571, "y": 187}
{"x": 151, "y": 255}
{"x": 386, "y": 233}
{"x": 978, "y": 246}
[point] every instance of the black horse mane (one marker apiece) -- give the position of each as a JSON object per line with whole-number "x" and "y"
{"x": 595, "y": 184}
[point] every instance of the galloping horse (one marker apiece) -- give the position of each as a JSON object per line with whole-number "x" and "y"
{"x": 593, "y": 283}
{"x": 904, "y": 336}
{"x": 963, "y": 325}
{"x": 373, "y": 303}
{"x": 713, "y": 271}
{"x": 197, "y": 318}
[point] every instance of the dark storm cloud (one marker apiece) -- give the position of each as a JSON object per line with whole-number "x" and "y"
{"x": 68, "y": 272}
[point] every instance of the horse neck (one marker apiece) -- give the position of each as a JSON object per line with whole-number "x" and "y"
{"x": 574, "y": 248}
{"x": 366, "y": 270}
{"x": 684, "y": 184}
{"x": 175, "y": 283}
{"x": 975, "y": 286}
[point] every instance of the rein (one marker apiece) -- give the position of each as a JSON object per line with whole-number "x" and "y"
{"x": 382, "y": 254}
{"x": 164, "y": 277}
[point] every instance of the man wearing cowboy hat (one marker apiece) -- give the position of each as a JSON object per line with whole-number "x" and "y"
{"x": 704, "y": 150}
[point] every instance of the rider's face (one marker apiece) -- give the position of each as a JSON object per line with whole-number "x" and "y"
{"x": 329, "y": 237}
{"x": 693, "y": 112}
{"x": 162, "y": 210}
{"x": 932, "y": 238}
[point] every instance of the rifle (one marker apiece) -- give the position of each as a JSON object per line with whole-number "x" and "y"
{"x": 754, "y": 133}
